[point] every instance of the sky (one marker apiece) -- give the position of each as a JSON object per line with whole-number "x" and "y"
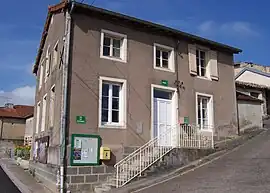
{"x": 243, "y": 25}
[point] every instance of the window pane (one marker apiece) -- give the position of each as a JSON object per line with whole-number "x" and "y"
{"x": 105, "y": 89}
{"x": 106, "y": 51}
{"x": 204, "y": 103}
{"x": 158, "y": 53}
{"x": 204, "y": 113}
{"x": 165, "y": 64}
{"x": 116, "y": 52}
{"x": 115, "y": 103}
{"x": 199, "y": 112}
{"x": 202, "y": 54}
{"x": 116, "y": 43}
{"x": 203, "y": 72}
{"x": 165, "y": 55}
{"x": 105, "y": 102}
{"x": 115, "y": 116}
{"x": 104, "y": 116}
{"x": 205, "y": 122}
{"x": 107, "y": 41}
{"x": 197, "y": 53}
{"x": 203, "y": 63}
{"x": 162, "y": 94}
{"x": 157, "y": 62}
{"x": 116, "y": 90}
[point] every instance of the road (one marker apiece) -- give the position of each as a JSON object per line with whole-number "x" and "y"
{"x": 6, "y": 185}
{"x": 245, "y": 170}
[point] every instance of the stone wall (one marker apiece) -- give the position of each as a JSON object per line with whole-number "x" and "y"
{"x": 85, "y": 178}
{"x": 46, "y": 173}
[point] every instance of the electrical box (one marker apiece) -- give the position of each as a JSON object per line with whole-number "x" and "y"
{"x": 105, "y": 153}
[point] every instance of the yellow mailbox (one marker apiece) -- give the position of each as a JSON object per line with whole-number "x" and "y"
{"x": 105, "y": 153}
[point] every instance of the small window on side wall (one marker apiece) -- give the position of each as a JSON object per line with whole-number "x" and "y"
{"x": 113, "y": 46}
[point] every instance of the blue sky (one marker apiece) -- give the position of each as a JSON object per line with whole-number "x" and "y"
{"x": 244, "y": 25}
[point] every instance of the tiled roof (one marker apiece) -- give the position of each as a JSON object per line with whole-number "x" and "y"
{"x": 251, "y": 85}
{"x": 18, "y": 111}
{"x": 254, "y": 71}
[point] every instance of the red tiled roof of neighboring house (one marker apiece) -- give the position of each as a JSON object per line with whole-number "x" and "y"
{"x": 17, "y": 111}
{"x": 243, "y": 96}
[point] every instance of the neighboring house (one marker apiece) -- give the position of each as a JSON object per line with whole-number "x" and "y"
{"x": 257, "y": 84}
{"x": 249, "y": 111}
{"x": 28, "y": 135}
{"x": 127, "y": 79}
{"x": 238, "y": 66}
{"x": 12, "y": 121}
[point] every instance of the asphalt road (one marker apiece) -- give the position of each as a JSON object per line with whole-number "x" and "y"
{"x": 6, "y": 185}
{"x": 246, "y": 170}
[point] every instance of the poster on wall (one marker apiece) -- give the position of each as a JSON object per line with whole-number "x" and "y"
{"x": 85, "y": 149}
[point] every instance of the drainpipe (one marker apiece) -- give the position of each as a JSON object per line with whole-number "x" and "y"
{"x": 63, "y": 128}
{"x": 2, "y": 127}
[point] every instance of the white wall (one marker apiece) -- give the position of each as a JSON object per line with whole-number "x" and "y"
{"x": 251, "y": 77}
{"x": 29, "y": 127}
{"x": 250, "y": 113}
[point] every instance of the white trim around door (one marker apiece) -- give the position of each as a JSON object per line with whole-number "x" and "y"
{"x": 174, "y": 107}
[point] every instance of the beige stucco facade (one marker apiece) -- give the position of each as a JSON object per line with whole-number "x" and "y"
{"x": 87, "y": 68}
{"x": 13, "y": 129}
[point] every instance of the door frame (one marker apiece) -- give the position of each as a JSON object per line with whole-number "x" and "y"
{"x": 174, "y": 104}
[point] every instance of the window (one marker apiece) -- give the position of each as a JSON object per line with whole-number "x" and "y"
{"x": 37, "y": 117}
{"x": 112, "y": 103}
{"x": 201, "y": 63}
{"x": 41, "y": 74}
{"x": 204, "y": 111}
{"x": 43, "y": 117}
{"x": 163, "y": 57}
{"x": 52, "y": 106}
{"x": 48, "y": 63}
{"x": 254, "y": 94}
{"x": 113, "y": 46}
{"x": 55, "y": 56}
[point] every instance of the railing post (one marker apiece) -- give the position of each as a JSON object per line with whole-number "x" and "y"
{"x": 140, "y": 162}
{"x": 117, "y": 176}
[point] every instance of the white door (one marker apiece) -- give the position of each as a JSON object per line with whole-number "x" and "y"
{"x": 163, "y": 121}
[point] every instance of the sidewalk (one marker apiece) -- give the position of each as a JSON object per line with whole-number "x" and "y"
{"x": 21, "y": 178}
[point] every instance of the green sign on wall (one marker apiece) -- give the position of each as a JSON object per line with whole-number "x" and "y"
{"x": 186, "y": 120}
{"x": 164, "y": 82}
{"x": 80, "y": 119}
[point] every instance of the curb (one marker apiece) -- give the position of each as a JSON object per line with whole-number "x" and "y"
{"x": 23, "y": 188}
{"x": 227, "y": 147}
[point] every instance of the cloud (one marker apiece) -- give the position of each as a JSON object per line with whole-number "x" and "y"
{"x": 235, "y": 28}
{"x": 22, "y": 95}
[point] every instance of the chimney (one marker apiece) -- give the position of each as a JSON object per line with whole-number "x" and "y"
{"x": 9, "y": 105}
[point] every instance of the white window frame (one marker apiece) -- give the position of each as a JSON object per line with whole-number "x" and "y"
{"x": 52, "y": 106}
{"x": 171, "y": 58}
{"x": 44, "y": 113}
{"x": 122, "y": 103}
{"x": 38, "y": 117}
{"x": 210, "y": 107}
{"x": 123, "y": 48}
{"x": 41, "y": 73}
{"x": 55, "y": 57}
{"x": 207, "y": 60}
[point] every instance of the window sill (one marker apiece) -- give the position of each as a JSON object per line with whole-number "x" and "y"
{"x": 204, "y": 78}
{"x": 164, "y": 69}
{"x": 112, "y": 126}
{"x": 114, "y": 59}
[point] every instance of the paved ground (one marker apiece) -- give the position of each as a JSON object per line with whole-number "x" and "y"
{"x": 6, "y": 185}
{"x": 245, "y": 170}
